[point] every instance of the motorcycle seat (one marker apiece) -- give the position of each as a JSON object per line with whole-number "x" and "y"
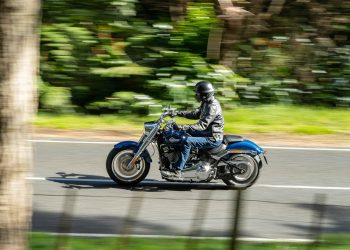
{"x": 217, "y": 150}
{"x": 232, "y": 138}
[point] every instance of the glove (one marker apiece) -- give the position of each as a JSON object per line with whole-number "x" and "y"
{"x": 176, "y": 113}
{"x": 180, "y": 113}
{"x": 173, "y": 113}
{"x": 184, "y": 127}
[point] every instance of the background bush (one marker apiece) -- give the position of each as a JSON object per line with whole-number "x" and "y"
{"x": 108, "y": 56}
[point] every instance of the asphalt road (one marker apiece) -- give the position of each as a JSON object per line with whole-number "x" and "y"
{"x": 279, "y": 205}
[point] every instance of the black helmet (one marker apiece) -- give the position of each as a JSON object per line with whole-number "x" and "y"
{"x": 204, "y": 90}
{"x": 204, "y": 87}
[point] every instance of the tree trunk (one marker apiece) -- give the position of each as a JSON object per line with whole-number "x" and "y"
{"x": 175, "y": 9}
{"x": 233, "y": 24}
{"x": 18, "y": 70}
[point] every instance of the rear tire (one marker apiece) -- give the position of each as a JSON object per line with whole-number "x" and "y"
{"x": 247, "y": 178}
{"x": 116, "y": 166}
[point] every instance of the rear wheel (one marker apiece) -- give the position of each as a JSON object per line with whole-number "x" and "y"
{"x": 249, "y": 171}
{"x": 117, "y": 167}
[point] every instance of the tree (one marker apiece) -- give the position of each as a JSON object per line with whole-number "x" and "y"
{"x": 18, "y": 68}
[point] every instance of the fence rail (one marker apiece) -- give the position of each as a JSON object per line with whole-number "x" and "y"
{"x": 199, "y": 215}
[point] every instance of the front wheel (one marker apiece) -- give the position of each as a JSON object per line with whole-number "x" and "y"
{"x": 117, "y": 167}
{"x": 249, "y": 171}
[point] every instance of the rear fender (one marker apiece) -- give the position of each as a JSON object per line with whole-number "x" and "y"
{"x": 134, "y": 146}
{"x": 247, "y": 147}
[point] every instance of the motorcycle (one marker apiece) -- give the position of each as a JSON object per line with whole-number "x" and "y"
{"x": 237, "y": 161}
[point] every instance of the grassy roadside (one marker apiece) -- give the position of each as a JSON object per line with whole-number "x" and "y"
{"x": 43, "y": 241}
{"x": 244, "y": 119}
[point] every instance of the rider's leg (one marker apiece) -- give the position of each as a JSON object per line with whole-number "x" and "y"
{"x": 196, "y": 142}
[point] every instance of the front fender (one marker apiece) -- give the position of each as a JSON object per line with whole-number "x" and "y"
{"x": 133, "y": 145}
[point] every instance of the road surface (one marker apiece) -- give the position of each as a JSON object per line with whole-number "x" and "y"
{"x": 279, "y": 205}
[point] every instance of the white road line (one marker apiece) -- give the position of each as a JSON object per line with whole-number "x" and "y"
{"x": 80, "y": 180}
{"x": 302, "y": 187}
{"x": 265, "y": 147}
{"x": 74, "y": 142}
{"x": 68, "y": 179}
{"x": 247, "y": 239}
{"x": 173, "y": 183}
{"x": 36, "y": 178}
{"x": 313, "y": 149}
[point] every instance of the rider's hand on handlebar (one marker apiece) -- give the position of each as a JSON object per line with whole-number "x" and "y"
{"x": 183, "y": 127}
{"x": 173, "y": 113}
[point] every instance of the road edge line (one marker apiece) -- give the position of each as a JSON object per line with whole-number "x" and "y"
{"x": 246, "y": 239}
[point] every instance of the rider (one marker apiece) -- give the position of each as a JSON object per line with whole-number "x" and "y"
{"x": 208, "y": 131}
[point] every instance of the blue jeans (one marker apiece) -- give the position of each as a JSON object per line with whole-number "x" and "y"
{"x": 196, "y": 142}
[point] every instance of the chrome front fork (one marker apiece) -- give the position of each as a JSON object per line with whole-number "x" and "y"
{"x": 144, "y": 141}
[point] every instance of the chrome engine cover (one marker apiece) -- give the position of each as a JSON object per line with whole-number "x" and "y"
{"x": 199, "y": 172}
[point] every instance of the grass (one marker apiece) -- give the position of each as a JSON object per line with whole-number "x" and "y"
{"x": 243, "y": 119}
{"x": 79, "y": 121}
{"x": 288, "y": 119}
{"x": 43, "y": 241}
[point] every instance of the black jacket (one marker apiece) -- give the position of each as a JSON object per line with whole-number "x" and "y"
{"x": 211, "y": 120}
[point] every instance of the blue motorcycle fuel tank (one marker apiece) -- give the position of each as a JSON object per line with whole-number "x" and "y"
{"x": 172, "y": 136}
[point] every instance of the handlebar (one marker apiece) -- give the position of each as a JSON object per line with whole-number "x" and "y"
{"x": 166, "y": 112}
{"x": 162, "y": 116}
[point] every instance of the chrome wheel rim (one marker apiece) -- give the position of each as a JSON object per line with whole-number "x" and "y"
{"x": 120, "y": 166}
{"x": 247, "y": 166}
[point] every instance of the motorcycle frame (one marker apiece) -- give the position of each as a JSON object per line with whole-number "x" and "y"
{"x": 244, "y": 147}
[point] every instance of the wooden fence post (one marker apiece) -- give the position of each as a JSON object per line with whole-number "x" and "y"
{"x": 133, "y": 211}
{"x": 318, "y": 214}
{"x": 236, "y": 220}
{"x": 65, "y": 222}
{"x": 198, "y": 219}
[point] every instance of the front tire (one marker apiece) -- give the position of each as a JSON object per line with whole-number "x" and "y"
{"x": 250, "y": 175}
{"x": 116, "y": 165}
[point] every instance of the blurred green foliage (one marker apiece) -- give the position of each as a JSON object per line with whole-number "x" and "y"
{"x": 44, "y": 241}
{"x": 273, "y": 119}
{"x": 121, "y": 56}
{"x": 125, "y": 103}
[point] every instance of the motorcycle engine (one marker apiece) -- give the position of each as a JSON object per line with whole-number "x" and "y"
{"x": 169, "y": 153}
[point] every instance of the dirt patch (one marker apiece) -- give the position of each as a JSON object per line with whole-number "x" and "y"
{"x": 336, "y": 141}
{"x": 89, "y": 134}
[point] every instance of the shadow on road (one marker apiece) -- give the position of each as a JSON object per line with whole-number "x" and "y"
{"x": 44, "y": 221}
{"x": 83, "y": 181}
{"x": 336, "y": 219}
